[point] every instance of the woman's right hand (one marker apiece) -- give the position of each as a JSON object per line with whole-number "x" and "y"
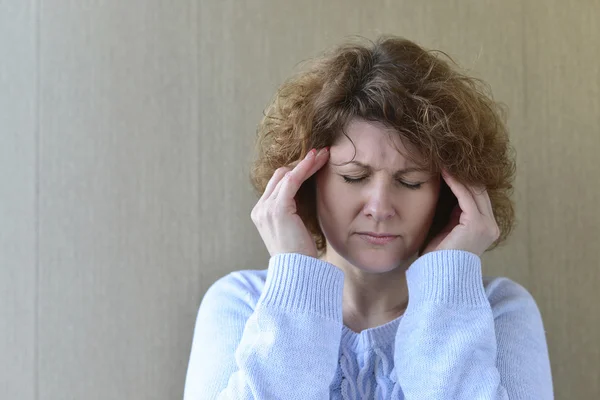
{"x": 275, "y": 214}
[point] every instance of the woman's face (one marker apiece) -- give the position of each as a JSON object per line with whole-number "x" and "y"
{"x": 376, "y": 210}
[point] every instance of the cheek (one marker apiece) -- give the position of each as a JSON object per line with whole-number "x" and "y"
{"x": 328, "y": 193}
{"x": 323, "y": 197}
{"x": 422, "y": 205}
{"x": 336, "y": 202}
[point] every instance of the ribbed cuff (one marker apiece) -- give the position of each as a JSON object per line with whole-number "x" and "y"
{"x": 452, "y": 277}
{"x": 302, "y": 283}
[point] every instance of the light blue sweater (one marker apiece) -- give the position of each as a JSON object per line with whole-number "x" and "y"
{"x": 278, "y": 334}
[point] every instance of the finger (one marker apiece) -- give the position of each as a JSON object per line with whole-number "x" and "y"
{"x": 484, "y": 203}
{"x": 288, "y": 170}
{"x": 453, "y": 220}
{"x": 305, "y": 168}
{"x": 463, "y": 195}
{"x": 482, "y": 199}
{"x": 275, "y": 179}
{"x": 320, "y": 161}
{"x": 455, "y": 216}
{"x": 302, "y": 168}
{"x": 278, "y": 186}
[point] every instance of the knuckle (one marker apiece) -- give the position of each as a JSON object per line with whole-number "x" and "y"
{"x": 493, "y": 230}
{"x": 290, "y": 178}
{"x": 253, "y": 215}
{"x": 276, "y": 175}
{"x": 496, "y": 232}
{"x": 280, "y": 171}
{"x": 258, "y": 213}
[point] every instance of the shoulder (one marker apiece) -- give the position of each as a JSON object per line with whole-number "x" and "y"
{"x": 242, "y": 287}
{"x": 507, "y": 296}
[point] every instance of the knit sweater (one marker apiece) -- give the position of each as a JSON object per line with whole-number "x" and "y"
{"x": 279, "y": 334}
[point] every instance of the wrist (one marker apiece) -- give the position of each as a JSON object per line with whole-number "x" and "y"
{"x": 452, "y": 277}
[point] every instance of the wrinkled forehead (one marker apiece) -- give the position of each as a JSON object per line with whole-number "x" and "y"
{"x": 374, "y": 144}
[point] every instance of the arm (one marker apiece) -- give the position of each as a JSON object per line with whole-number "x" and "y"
{"x": 451, "y": 343}
{"x": 285, "y": 348}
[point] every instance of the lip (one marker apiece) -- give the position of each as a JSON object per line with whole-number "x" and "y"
{"x": 377, "y": 238}
{"x": 377, "y": 234}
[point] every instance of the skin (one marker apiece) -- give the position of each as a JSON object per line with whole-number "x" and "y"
{"x": 375, "y": 289}
{"x": 392, "y": 196}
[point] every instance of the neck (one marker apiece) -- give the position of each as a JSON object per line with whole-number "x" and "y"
{"x": 370, "y": 299}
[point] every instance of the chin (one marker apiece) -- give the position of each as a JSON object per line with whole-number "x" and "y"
{"x": 376, "y": 262}
{"x": 374, "y": 259}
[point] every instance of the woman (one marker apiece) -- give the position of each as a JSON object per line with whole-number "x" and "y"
{"x": 384, "y": 175}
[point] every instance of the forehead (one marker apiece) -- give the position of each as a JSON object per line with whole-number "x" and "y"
{"x": 374, "y": 144}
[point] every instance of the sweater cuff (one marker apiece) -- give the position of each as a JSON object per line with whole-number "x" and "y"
{"x": 302, "y": 283}
{"x": 452, "y": 277}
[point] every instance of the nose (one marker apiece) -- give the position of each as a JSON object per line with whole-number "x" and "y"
{"x": 379, "y": 205}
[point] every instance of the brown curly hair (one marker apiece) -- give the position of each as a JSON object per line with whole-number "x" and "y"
{"x": 450, "y": 118}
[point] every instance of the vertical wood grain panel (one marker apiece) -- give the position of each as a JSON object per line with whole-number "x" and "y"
{"x": 18, "y": 121}
{"x": 563, "y": 116}
{"x": 119, "y": 199}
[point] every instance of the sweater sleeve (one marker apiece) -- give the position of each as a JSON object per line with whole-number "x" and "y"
{"x": 453, "y": 343}
{"x": 286, "y": 347}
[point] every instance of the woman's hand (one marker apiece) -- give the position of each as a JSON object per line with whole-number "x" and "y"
{"x": 275, "y": 216}
{"x": 472, "y": 226}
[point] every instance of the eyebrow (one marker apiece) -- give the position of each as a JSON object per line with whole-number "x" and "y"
{"x": 399, "y": 172}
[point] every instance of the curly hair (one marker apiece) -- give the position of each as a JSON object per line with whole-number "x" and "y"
{"x": 450, "y": 119}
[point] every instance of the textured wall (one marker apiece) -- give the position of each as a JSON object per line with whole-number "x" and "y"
{"x": 126, "y": 130}
{"x": 18, "y": 216}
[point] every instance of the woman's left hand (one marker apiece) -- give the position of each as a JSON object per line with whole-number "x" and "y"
{"x": 472, "y": 226}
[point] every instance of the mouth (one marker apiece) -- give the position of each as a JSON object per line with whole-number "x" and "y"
{"x": 377, "y": 238}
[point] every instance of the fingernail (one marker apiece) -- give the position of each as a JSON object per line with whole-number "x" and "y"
{"x": 311, "y": 153}
{"x": 322, "y": 151}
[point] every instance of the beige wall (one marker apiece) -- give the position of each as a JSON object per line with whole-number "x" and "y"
{"x": 126, "y": 129}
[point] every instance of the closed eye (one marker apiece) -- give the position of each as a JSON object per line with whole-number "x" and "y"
{"x": 352, "y": 180}
{"x": 412, "y": 186}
